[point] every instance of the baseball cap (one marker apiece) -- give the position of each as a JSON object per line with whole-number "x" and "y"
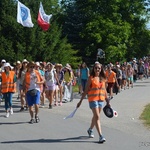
{"x": 3, "y": 61}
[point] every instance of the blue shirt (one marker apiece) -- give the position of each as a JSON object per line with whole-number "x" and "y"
{"x": 84, "y": 73}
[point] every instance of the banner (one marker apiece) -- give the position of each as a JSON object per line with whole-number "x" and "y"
{"x": 43, "y": 19}
{"x": 23, "y": 15}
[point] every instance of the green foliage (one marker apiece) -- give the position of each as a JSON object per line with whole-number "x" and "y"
{"x": 116, "y": 26}
{"x": 78, "y": 28}
{"x": 18, "y": 42}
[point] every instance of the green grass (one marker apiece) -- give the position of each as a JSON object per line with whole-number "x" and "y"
{"x": 145, "y": 116}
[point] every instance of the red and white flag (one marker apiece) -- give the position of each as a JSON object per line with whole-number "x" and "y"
{"x": 43, "y": 19}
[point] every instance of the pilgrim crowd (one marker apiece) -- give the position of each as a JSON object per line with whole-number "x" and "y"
{"x": 37, "y": 82}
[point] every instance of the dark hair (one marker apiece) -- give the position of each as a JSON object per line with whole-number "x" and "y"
{"x": 82, "y": 64}
{"x": 102, "y": 75}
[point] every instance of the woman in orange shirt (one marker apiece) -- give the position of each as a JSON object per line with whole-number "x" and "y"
{"x": 96, "y": 96}
{"x": 8, "y": 87}
{"x": 111, "y": 79}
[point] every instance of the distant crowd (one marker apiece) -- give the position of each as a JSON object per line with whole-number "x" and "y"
{"x": 55, "y": 82}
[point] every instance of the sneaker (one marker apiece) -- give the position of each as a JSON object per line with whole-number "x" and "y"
{"x": 90, "y": 133}
{"x": 26, "y": 108}
{"x": 42, "y": 106}
{"x": 31, "y": 121}
{"x": 37, "y": 119}
{"x": 50, "y": 106}
{"x": 65, "y": 101}
{"x": 111, "y": 97}
{"x": 21, "y": 109}
{"x": 101, "y": 139}
{"x": 11, "y": 111}
{"x": 7, "y": 115}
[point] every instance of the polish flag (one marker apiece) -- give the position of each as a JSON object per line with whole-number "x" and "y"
{"x": 43, "y": 19}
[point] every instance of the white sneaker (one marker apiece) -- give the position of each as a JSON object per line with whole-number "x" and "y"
{"x": 7, "y": 115}
{"x": 11, "y": 111}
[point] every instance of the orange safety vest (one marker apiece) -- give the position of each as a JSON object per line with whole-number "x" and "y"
{"x": 110, "y": 77}
{"x": 97, "y": 90}
{"x": 8, "y": 84}
{"x": 27, "y": 79}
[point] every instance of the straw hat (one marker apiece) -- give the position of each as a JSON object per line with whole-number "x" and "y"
{"x": 49, "y": 63}
{"x": 58, "y": 65}
{"x": 31, "y": 64}
{"x": 24, "y": 61}
{"x": 68, "y": 66}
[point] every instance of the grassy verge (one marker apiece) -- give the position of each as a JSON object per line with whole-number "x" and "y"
{"x": 145, "y": 116}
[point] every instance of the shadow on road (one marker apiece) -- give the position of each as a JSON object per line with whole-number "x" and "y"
{"x": 140, "y": 85}
{"x": 73, "y": 139}
{"x": 12, "y": 123}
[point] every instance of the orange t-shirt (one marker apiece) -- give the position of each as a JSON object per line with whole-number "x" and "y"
{"x": 110, "y": 77}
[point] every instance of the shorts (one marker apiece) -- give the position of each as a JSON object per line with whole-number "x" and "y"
{"x": 140, "y": 73}
{"x": 96, "y": 104}
{"x": 130, "y": 79}
{"x": 119, "y": 81}
{"x": 20, "y": 87}
{"x": 31, "y": 100}
{"x": 78, "y": 81}
{"x": 50, "y": 88}
{"x": 111, "y": 85}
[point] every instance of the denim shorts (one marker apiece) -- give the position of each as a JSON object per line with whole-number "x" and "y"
{"x": 31, "y": 100}
{"x": 96, "y": 104}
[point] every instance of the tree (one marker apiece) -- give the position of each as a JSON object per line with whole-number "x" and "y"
{"x": 7, "y": 29}
{"x": 108, "y": 24}
{"x": 33, "y": 43}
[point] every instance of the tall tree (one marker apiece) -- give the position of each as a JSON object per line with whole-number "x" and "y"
{"x": 113, "y": 25}
{"x": 18, "y": 42}
{"x": 7, "y": 29}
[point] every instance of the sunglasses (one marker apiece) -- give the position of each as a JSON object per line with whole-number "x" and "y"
{"x": 31, "y": 66}
{"x": 97, "y": 68}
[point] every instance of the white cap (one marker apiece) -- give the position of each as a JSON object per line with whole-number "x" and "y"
{"x": 24, "y": 61}
{"x": 37, "y": 64}
{"x": 3, "y": 61}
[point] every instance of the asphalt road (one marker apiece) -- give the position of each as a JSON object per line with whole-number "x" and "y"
{"x": 125, "y": 132}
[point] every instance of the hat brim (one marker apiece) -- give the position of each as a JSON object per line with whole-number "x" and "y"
{"x": 67, "y": 67}
{"x": 108, "y": 111}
